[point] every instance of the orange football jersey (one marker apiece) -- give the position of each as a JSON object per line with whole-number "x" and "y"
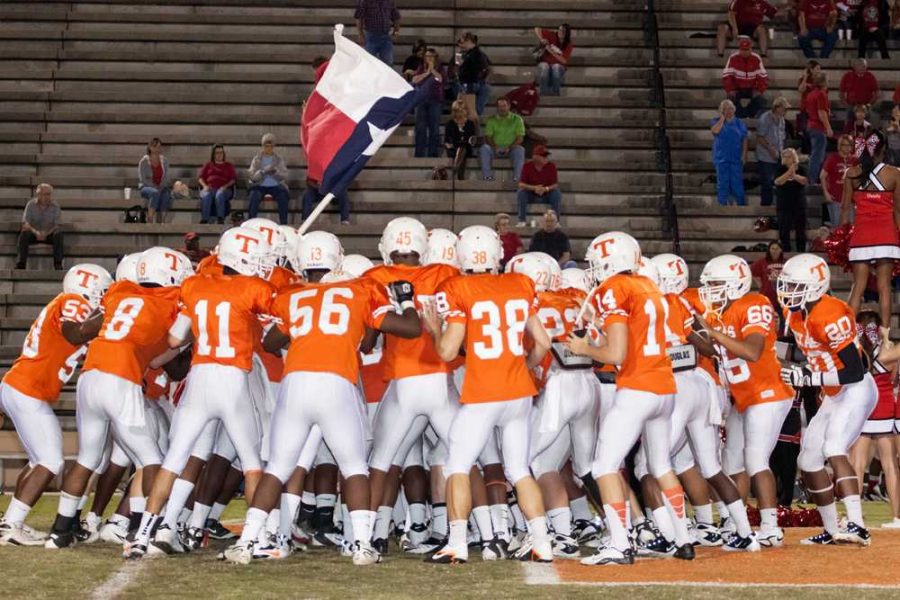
{"x": 557, "y": 312}
{"x": 209, "y": 266}
{"x": 326, "y": 323}
{"x": 280, "y": 278}
{"x": 828, "y": 328}
{"x": 494, "y": 310}
{"x": 224, "y": 312}
{"x": 692, "y": 297}
{"x": 752, "y": 383}
{"x": 48, "y": 360}
{"x": 156, "y": 384}
{"x": 636, "y": 302}
{"x": 371, "y": 375}
{"x": 135, "y": 329}
{"x": 403, "y": 357}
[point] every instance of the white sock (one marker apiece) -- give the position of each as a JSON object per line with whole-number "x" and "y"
{"x": 216, "y": 512}
{"x": 703, "y": 514}
{"x": 17, "y": 511}
{"x": 518, "y": 517}
{"x": 417, "y": 513}
{"x": 853, "y": 506}
{"x": 561, "y": 520}
{"x": 382, "y": 522}
{"x": 68, "y": 504}
{"x": 201, "y": 513}
{"x": 581, "y": 509}
{"x": 738, "y": 512}
{"x": 137, "y": 504}
{"x": 148, "y": 522}
{"x": 290, "y": 504}
{"x": 628, "y": 525}
{"x": 682, "y": 535}
{"x": 117, "y": 519}
{"x": 723, "y": 511}
{"x": 439, "y": 520}
{"x": 181, "y": 491}
{"x": 538, "y": 528}
{"x": 362, "y": 525}
{"x": 253, "y": 524}
{"x": 500, "y": 520}
{"x": 458, "y": 531}
{"x": 663, "y": 521}
{"x": 399, "y": 512}
{"x": 186, "y": 514}
{"x": 618, "y": 533}
{"x": 273, "y": 520}
{"x": 347, "y": 522}
{"x": 482, "y": 515}
{"x": 829, "y": 517}
{"x": 768, "y": 518}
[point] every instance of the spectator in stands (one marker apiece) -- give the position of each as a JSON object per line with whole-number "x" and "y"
{"x": 859, "y": 129}
{"x": 40, "y": 225}
{"x": 872, "y": 20}
{"x": 431, "y": 74}
{"x": 858, "y": 86}
{"x": 745, "y": 78}
{"x": 818, "y": 21}
{"x": 539, "y": 183}
{"x": 804, "y": 86}
{"x": 192, "y": 248}
{"x": 312, "y": 196}
{"x": 459, "y": 133}
{"x": 217, "y": 179}
{"x": 892, "y": 131}
{"x": 553, "y": 54}
{"x": 818, "y": 129}
{"x": 790, "y": 194}
{"x": 770, "y": 137}
{"x": 512, "y": 243}
{"x": 268, "y": 174}
{"x": 832, "y": 177}
{"x": 153, "y": 182}
{"x": 729, "y": 154}
{"x": 377, "y": 22}
{"x": 746, "y": 18}
{"x": 415, "y": 60}
{"x": 551, "y": 240}
{"x": 766, "y": 270}
{"x": 473, "y": 68}
{"x": 503, "y": 135}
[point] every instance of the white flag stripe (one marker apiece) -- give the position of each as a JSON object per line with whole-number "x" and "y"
{"x": 355, "y": 80}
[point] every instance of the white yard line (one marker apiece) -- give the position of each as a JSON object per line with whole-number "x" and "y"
{"x": 540, "y": 574}
{"x": 545, "y": 574}
{"x": 118, "y": 581}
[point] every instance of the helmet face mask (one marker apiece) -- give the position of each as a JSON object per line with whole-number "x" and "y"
{"x": 804, "y": 279}
{"x": 88, "y": 281}
{"x": 673, "y": 273}
{"x": 724, "y": 279}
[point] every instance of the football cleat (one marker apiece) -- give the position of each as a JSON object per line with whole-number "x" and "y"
{"x": 346, "y": 549}
{"x": 565, "y": 546}
{"x": 515, "y": 541}
{"x": 241, "y": 553}
{"x": 90, "y": 529}
{"x": 534, "y": 551}
{"x": 380, "y": 545}
{"x": 822, "y": 539}
{"x": 895, "y": 524}
{"x": 608, "y": 555}
{"x": 737, "y": 543}
{"x": 328, "y": 537}
{"x": 445, "y": 555}
{"x": 418, "y": 533}
{"x": 113, "y": 533}
{"x": 426, "y": 547}
{"x": 658, "y": 547}
{"x": 58, "y": 540}
{"x": 494, "y": 549}
{"x": 584, "y": 530}
{"x": 364, "y": 554}
{"x": 166, "y": 540}
{"x": 217, "y": 531}
{"x": 278, "y": 548}
{"x": 644, "y": 532}
{"x": 705, "y": 534}
{"x": 684, "y": 552}
{"x": 599, "y": 541}
{"x": 135, "y": 551}
{"x": 300, "y": 535}
{"x": 727, "y": 528}
{"x": 19, "y": 535}
{"x": 194, "y": 538}
{"x": 853, "y": 534}
{"x": 770, "y": 538}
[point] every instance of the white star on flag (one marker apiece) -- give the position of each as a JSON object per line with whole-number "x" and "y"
{"x": 379, "y": 137}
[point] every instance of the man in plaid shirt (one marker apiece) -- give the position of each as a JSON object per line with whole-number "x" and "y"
{"x": 376, "y": 22}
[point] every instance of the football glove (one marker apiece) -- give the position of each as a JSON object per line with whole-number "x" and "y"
{"x": 800, "y": 377}
{"x": 403, "y": 293}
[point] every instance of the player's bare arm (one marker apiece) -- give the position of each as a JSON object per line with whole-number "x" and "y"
{"x": 613, "y": 353}
{"x": 538, "y": 334}
{"x": 275, "y": 341}
{"x": 701, "y": 342}
{"x": 77, "y": 333}
{"x": 369, "y": 340}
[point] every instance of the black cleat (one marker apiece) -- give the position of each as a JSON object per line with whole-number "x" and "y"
{"x": 217, "y": 531}
{"x": 59, "y": 539}
{"x": 685, "y": 552}
{"x": 380, "y": 545}
{"x": 823, "y": 539}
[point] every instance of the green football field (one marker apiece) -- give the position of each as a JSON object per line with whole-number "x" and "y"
{"x": 97, "y": 571}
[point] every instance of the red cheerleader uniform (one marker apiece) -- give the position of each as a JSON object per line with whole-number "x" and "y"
{"x": 874, "y": 235}
{"x": 882, "y": 418}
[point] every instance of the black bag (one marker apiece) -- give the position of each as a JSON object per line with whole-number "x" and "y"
{"x": 136, "y": 214}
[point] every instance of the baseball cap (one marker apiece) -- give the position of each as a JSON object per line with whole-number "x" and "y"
{"x": 540, "y": 150}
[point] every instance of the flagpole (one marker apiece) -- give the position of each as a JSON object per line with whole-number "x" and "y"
{"x": 315, "y": 213}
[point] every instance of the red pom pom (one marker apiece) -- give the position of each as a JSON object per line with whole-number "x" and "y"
{"x": 797, "y": 518}
{"x": 753, "y": 516}
{"x": 837, "y": 246}
{"x": 784, "y": 516}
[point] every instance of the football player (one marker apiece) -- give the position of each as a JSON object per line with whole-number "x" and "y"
{"x": 631, "y": 313}
{"x": 324, "y": 325}
{"x": 492, "y": 315}
{"x": 824, "y": 329}
{"x": 744, "y": 331}
{"x": 49, "y": 357}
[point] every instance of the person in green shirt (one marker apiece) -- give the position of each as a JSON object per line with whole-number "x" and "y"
{"x": 503, "y": 134}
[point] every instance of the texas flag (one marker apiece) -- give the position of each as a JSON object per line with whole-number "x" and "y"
{"x": 355, "y": 107}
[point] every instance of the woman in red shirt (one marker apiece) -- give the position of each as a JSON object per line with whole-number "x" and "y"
{"x": 216, "y": 179}
{"x": 767, "y": 269}
{"x": 512, "y": 243}
{"x": 555, "y": 48}
{"x": 832, "y": 177}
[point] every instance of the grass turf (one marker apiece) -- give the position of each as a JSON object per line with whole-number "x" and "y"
{"x": 37, "y": 573}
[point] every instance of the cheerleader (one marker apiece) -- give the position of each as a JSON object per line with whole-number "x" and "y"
{"x": 873, "y": 188}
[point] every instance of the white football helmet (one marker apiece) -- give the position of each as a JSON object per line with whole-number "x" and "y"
{"x": 126, "y": 270}
{"x": 479, "y": 249}
{"x": 318, "y": 250}
{"x": 611, "y": 253}
{"x": 723, "y": 279}
{"x": 442, "y": 248}
{"x": 648, "y": 269}
{"x": 403, "y": 235}
{"x": 247, "y": 251}
{"x": 673, "y": 273}
{"x": 355, "y": 265}
{"x": 538, "y": 267}
{"x": 88, "y": 281}
{"x": 163, "y": 266}
{"x": 273, "y": 234}
{"x": 574, "y": 278}
{"x": 288, "y": 247}
{"x": 804, "y": 278}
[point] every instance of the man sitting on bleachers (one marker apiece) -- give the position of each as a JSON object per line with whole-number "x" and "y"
{"x": 40, "y": 225}
{"x": 746, "y": 17}
{"x": 745, "y": 78}
{"x": 503, "y": 135}
{"x": 818, "y": 21}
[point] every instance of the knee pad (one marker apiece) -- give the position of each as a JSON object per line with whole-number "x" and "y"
{"x": 53, "y": 465}
{"x": 834, "y": 448}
